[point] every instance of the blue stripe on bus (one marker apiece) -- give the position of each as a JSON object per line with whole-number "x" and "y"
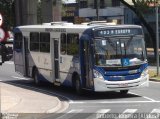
{"x": 17, "y": 30}
{"x": 117, "y": 75}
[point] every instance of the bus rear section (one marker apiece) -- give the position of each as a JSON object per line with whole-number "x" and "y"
{"x": 120, "y": 62}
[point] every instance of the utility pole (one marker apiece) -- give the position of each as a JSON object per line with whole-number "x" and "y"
{"x": 97, "y": 9}
{"x": 47, "y": 10}
{"x": 26, "y": 12}
{"x": 157, "y": 37}
{"x": 57, "y": 7}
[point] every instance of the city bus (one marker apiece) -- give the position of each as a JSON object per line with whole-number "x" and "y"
{"x": 92, "y": 56}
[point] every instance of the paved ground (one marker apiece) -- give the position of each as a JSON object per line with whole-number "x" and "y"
{"x": 14, "y": 99}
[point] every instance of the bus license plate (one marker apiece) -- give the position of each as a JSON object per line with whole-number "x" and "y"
{"x": 123, "y": 85}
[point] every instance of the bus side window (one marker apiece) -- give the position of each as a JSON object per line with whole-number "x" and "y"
{"x": 18, "y": 41}
{"x": 34, "y": 41}
{"x": 63, "y": 44}
{"x": 72, "y": 44}
{"x": 45, "y": 42}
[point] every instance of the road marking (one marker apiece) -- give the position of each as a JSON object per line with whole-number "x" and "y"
{"x": 77, "y": 102}
{"x": 110, "y": 102}
{"x": 148, "y": 98}
{"x": 23, "y": 78}
{"x": 130, "y": 111}
{"x": 154, "y": 82}
{"x": 103, "y": 111}
{"x": 145, "y": 97}
{"x": 155, "y": 113}
{"x": 126, "y": 114}
{"x": 70, "y": 114}
{"x": 99, "y": 114}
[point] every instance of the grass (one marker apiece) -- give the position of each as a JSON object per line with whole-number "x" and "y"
{"x": 153, "y": 74}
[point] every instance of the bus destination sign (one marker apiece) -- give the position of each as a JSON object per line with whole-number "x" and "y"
{"x": 118, "y": 31}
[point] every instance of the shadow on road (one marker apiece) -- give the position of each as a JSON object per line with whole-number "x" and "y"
{"x": 65, "y": 93}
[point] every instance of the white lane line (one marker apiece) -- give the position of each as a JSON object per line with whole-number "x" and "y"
{"x": 154, "y": 82}
{"x": 145, "y": 97}
{"x": 149, "y": 98}
{"x": 130, "y": 102}
{"x": 155, "y": 113}
{"x": 130, "y": 111}
{"x": 70, "y": 114}
{"x": 126, "y": 114}
{"x": 23, "y": 78}
{"x": 103, "y": 111}
{"x": 99, "y": 114}
{"x": 76, "y": 102}
{"x": 112, "y": 102}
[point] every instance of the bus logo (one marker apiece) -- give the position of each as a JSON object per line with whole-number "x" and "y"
{"x": 125, "y": 62}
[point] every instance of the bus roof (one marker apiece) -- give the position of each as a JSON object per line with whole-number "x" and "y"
{"x": 75, "y": 26}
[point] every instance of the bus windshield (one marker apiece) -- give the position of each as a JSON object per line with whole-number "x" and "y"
{"x": 111, "y": 51}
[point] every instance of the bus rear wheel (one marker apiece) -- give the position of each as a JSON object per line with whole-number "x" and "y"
{"x": 78, "y": 86}
{"x": 123, "y": 92}
{"x": 36, "y": 76}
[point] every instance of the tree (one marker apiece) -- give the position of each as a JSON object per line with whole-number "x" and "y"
{"x": 6, "y": 9}
{"x": 39, "y": 12}
{"x": 138, "y": 7}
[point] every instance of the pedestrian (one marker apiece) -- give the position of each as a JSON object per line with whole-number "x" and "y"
{"x": 3, "y": 53}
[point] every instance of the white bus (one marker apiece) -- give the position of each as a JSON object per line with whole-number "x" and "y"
{"x": 93, "y": 56}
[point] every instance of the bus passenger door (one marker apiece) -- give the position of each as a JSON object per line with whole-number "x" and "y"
{"x": 56, "y": 60}
{"x": 25, "y": 56}
{"x": 86, "y": 64}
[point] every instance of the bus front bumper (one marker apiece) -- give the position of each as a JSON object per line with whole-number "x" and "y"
{"x": 101, "y": 85}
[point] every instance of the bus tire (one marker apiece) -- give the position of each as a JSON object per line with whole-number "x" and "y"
{"x": 78, "y": 86}
{"x": 123, "y": 92}
{"x": 35, "y": 77}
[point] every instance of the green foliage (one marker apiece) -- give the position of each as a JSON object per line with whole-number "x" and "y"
{"x": 72, "y": 49}
{"x": 7, "y": 11}
{"x": 144, "y": 5}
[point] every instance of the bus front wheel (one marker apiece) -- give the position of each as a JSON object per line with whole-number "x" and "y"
{"x": 78, "y": 86}
{"x": 123, "y": 92}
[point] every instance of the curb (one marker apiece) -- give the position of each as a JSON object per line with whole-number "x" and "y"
{"x": 56, "y": 108}
{"x": 154, "y": 79}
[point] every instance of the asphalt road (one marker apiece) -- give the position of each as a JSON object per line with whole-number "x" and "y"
{"x": 137, "y": 104}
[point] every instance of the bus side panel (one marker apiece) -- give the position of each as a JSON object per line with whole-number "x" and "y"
{"x": 18, "y": 61}
{"x": 42, "y": 61}
{"x": 66, "y": 69}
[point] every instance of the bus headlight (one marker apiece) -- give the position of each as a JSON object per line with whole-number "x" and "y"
{"x": 97, "y": 74}
{"x": 144, "y": 73}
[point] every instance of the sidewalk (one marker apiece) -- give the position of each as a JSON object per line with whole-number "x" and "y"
{"x": 153, "y": 73}
{"x": 19, "y": 100}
